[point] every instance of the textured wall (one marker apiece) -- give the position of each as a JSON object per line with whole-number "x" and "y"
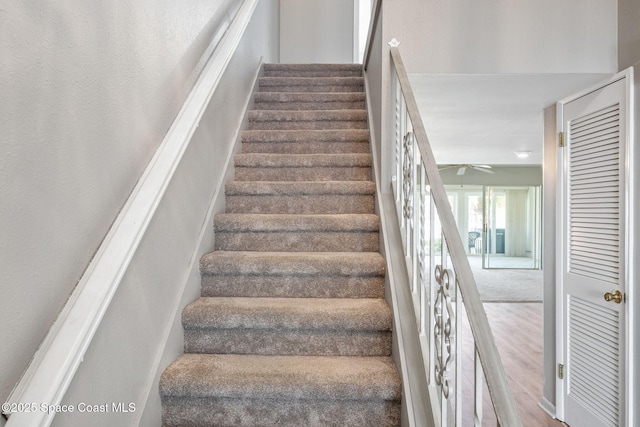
{"x": 88, "y": 90}
{"x": 506, "y": 36}
{"x": 316, "y": 31}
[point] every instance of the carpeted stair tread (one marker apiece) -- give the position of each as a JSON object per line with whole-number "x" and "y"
{"x": 276, "y": 188}
{"x": 312, "y": 70}
{"x": 300, "y": 197}
{"x": 303, "y": 167}
{"x": 281, "y": 377}
{"x": 288, "y": 326}
{"x": 297, "y": 233}
{"x": 309, "y": 100}
{"x": 299, "y": 264}
{"x": 329, "y": 141}
{"x": 293, "y": 274}
{"x": 302, "y": 160}
{"x": 320, "y": 97}
{"x": 367, "y": 314}
{"x": 288, "y": 313}
{"x": 311, "y": 84}
{"x": 307, "y": 119}
{"x": 328, "y": 135}
{"x": 291, "y": 223}
{"x": 311, "y": 81}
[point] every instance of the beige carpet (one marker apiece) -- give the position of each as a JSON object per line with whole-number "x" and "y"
{"x": 505, "y": 285}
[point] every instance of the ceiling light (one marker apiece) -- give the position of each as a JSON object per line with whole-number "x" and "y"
{"x": 522, "y": 154}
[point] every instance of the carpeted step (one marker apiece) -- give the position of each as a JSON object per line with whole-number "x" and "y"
{"x": 307, "y": 120}
{"x": 311, "y": 84}
{"x": 306, "y": 141}
{"x": 288, "y": 326}
{"x": 254, "y": 390}
{"x": 293, "y": 274}
{"x": 302, "y": 167}
{"x": 296, "y": 233}
{"x": 309, "y": 101}
{"x": 312, "y": 70}
{"x": 298, "y": 197}
{"x": 292, "y": 328}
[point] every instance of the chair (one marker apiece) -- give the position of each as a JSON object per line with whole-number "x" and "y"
{"x": 474, "y": 241}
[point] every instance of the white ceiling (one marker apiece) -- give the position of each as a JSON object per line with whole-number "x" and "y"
{"x": 484, "y": 119}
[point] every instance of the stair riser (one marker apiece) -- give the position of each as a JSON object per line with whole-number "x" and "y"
{"x": 292, "y": 286}
{"x": 310, "y": 88}
{"x": 305, "y": 68}
{"x": 300, "y": 204}
{"x": 305, "y": 136}
{"x": 242, "y": 412}
{"x": 312, "y": 73}
{"x": 305, "y": 147}
{"x": 297, "y": 241}
{"x": 302, "y": 174}
{"x": 287, "y": 342}
{"x": 309, "y": 105}
{"x": 307, "y": 125}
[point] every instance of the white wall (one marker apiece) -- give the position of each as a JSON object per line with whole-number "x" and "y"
{"x": 88, "y": 91}
{"x": 314, "y": 31}
{"x": 504, "y": 36}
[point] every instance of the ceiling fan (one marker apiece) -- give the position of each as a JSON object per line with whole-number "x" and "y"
{"x": 463, "y": 168}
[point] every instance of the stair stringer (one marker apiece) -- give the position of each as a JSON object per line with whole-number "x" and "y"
{"x": 190, "y": 287}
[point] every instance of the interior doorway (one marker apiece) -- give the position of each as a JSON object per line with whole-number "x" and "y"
{"x": 501, "y": 225}
{"x": 512, "y": 227}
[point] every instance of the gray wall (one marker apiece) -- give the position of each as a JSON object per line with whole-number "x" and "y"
{"x": 494, "y": 36}
{"x": 628, "y": 33}
{"x": 89, "y": 90}
{"x": 317, "y": 31}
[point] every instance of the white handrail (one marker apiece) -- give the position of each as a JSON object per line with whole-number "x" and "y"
{"x": 416, "y": 176}
{"x": 54, "y": 365}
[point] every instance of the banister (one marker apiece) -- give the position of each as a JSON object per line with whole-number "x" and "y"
{"x": 499, "y": 390}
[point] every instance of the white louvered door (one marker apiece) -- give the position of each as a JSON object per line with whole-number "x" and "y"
{"x": 593, "y": 256}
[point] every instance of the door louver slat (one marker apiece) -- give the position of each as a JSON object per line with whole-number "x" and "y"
{"x": 593, "y": 352}
{"x": 594, "y": 195}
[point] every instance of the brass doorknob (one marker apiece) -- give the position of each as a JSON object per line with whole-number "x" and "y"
{"x": 615, "y": 297}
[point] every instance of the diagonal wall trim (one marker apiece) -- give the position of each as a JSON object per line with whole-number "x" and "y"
{"x": 54, "y": 365}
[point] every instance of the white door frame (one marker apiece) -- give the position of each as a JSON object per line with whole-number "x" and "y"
{"x": 630, "y": 310}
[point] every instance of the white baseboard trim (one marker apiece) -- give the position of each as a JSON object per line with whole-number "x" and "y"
{"x": 547, "y": 407}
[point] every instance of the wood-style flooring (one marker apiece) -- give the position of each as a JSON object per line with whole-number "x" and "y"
{"x": 517, "y": 329}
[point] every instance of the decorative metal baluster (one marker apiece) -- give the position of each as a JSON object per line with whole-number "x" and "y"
{"x": 433, "y": 289}
{"x": 397, "y": 145}
{"x": 423, "y": 273}
{"x": 407, "y": 175}
{"x": 457, "y": 344}
{"x": 444, "y": 334}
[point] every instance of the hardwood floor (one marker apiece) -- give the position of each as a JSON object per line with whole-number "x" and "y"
{"x": 517, "y": 329}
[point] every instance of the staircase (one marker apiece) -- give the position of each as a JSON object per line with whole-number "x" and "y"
{"x": 292, "y": 328}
